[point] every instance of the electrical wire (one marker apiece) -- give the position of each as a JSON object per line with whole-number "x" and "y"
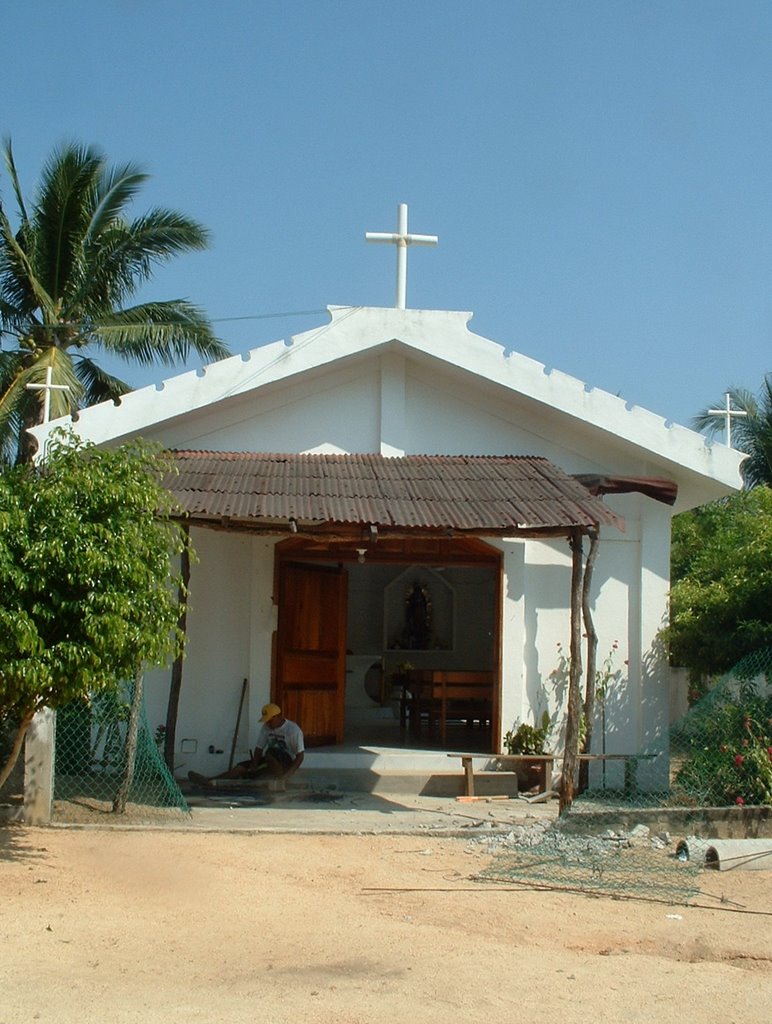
{"x": 212, "y": 320}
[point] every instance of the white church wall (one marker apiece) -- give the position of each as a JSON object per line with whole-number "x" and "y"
{"x": 629, "y": 604}
{"x": 513, "y": 613}
{"x": 218, "y": 654}
{"x": 262, "y": 625}
{"x": 325, "y": 411}
{"x": 547, "y": 585}
{"x": 440, "y": 341}
{"x": 654, "y": 693}
{"x": 445, "y": 414}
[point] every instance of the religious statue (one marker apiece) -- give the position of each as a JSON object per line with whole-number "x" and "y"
{"x": 417, "y": 635}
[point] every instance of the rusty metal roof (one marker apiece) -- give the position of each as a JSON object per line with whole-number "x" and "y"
{"x": 481, "y": 494}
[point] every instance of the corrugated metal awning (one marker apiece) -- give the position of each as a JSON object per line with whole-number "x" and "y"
{"x": 487, "y": 494}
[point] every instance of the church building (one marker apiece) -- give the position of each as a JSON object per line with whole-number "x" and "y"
{"x": 390, "y": 503}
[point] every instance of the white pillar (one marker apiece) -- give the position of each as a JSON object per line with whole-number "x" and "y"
{"x": 39, "y": 768}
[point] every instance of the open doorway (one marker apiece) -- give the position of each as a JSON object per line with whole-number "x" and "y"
{"x": 420, "y": 617}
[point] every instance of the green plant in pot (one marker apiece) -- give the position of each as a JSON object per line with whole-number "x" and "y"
{"x": 530, "y": 739}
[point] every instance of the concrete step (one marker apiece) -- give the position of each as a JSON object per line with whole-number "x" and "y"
{"x": 405, "y": 781}
{"x": 374, "y": 769}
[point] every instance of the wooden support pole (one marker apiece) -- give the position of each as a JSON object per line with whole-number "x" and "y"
{"x": 592, "y": 659}
{"x": 570, "y": 757}
{"x": 175, "y": 686}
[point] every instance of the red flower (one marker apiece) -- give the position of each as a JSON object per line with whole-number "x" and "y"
{"x": 738, "y": 759}
{"x": 739, "y": 801}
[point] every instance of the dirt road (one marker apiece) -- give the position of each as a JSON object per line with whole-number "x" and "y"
{"x": 149, "y": 927}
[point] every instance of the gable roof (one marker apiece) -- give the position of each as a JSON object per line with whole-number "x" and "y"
{"x": 430, "y": 336}
{"x": 500, "y": 495}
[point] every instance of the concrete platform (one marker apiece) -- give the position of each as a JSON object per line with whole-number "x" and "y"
{"x": 304, "y": 810}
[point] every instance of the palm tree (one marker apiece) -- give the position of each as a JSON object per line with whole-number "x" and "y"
{"x": 751, "y": 433}
{"x": 66, "y": 274}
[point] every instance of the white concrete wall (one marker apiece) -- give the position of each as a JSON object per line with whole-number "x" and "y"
{"x": 230, "y": 622}
{"x": 630, "y": 600}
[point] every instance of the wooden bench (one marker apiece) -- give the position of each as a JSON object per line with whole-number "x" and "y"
{"x": 548, "y": 761}
{"x": 446, "y": 696}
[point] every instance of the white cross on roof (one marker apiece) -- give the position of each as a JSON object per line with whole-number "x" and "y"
{"x": 727, "y": 412}
{"x": 402, "y": 240}
{"x": 47, "y": 388}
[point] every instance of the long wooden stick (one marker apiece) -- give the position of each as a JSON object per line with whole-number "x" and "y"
{"x": 238, "y": 723}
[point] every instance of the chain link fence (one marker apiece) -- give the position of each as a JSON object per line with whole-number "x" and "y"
{"x": 95, "y": 763}
{"x": 719, "y": 754}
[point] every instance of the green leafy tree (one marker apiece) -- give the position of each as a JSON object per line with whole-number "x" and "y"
{"x": 725, "y": 743}
{"x": 87, "y": 592}
{"x": 67, "y": 271}
{"x": 721, "y": 596}
{"x": 751, "y": 433}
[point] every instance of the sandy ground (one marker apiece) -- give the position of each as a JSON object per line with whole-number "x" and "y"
{"x": 151, "y": 926}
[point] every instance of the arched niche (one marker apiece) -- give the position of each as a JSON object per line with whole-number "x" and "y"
{"x": 419, "y": 611}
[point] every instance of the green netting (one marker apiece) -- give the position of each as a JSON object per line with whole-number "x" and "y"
{"x": 614, "y": 865}
{"x": 92, "y": 764}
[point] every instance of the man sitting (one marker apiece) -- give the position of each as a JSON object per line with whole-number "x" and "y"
{"x": 279, "y": 750}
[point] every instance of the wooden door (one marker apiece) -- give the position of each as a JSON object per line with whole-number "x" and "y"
{"x": 311, "y": 650}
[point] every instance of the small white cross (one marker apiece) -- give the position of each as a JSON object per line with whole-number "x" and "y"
{"x": 727, "y": 412}
{"x": 48, "y": 387}
{"x": 402, "y": 240}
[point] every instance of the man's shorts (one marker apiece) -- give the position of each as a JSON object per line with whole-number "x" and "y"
{"x": 284, "y": 758}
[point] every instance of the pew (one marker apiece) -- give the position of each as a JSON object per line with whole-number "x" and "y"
{"x": 440, "y": 697}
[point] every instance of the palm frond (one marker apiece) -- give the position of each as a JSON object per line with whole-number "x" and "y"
{"x": 29, "y": 402}
{"x": 98, "y": 385}
{"x": 116, "y": 189}
{"x": 159, "y": 332}
{"x": 15, "y": 374}
{"x": 67, "y": 273}
{"x": 124, "y": 255}
{"x": 65, "y": 205}
{"x": 12, "y": 366}
{"x": 19, "y": 279}
{"x": 10, "y": 164}
{"x": 166, "y": 233}
{"x": 63, "y": 403}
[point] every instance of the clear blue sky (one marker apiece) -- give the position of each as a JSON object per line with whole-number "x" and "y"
{"x": 599, "y": 173}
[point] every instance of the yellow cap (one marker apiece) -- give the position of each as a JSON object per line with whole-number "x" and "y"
{"x": 269, "y": 711}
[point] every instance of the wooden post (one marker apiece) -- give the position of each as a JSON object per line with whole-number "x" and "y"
{"x": 592, "y": 660}
{"x": 574, "y": 695}
{"x": 132, "y": 730}
{"x": 175, "y": 686}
